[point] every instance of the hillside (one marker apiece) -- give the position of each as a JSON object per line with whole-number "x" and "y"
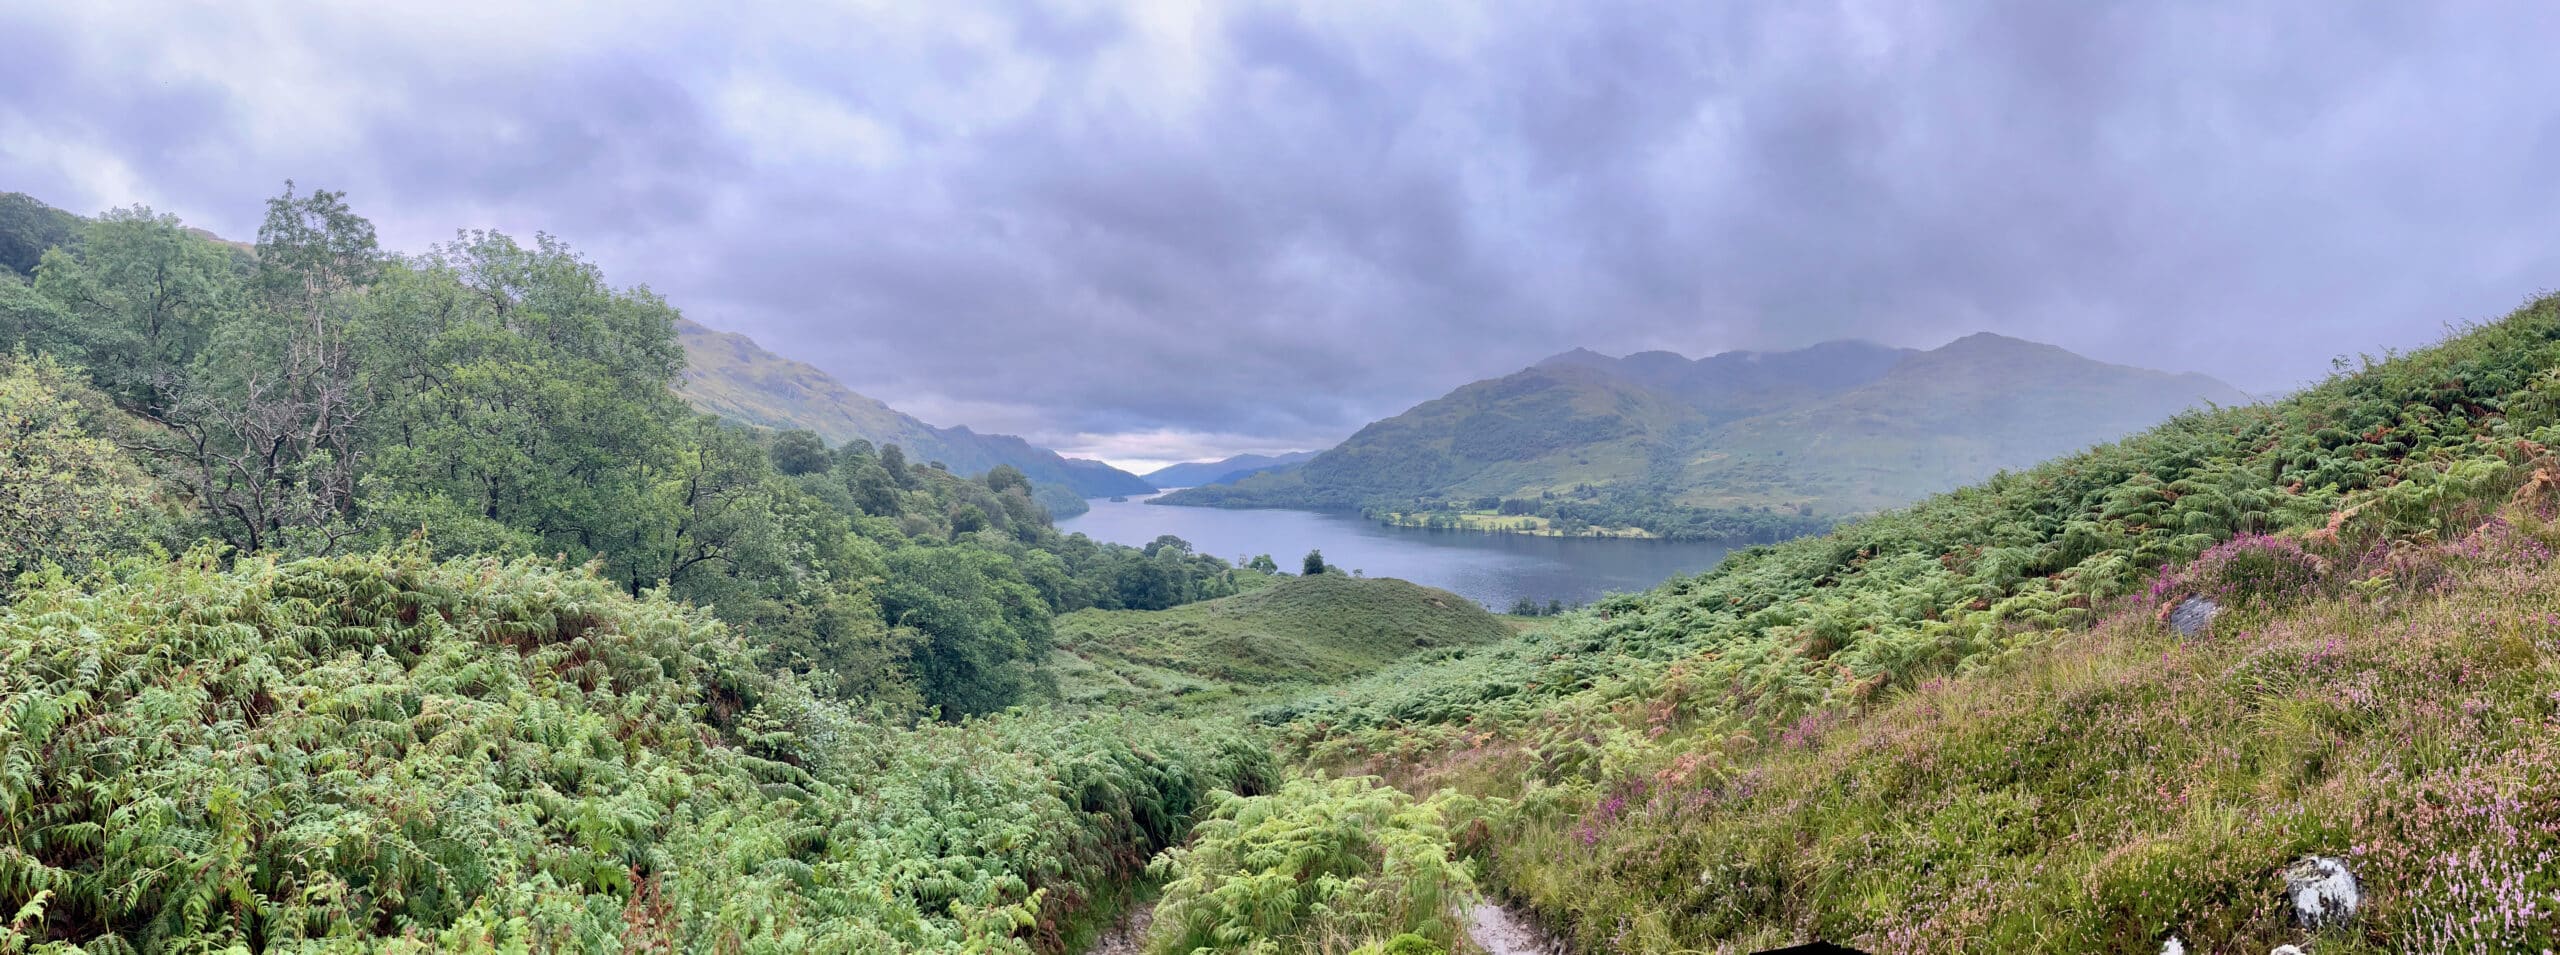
{"x": 1298, "y": 631}
{"x": 730, "y": 375}
{"x": 27, "y": 228}
{"x": 1968, "y": 725}
{"x": 1197, "y": 473}
{"x": 480, "y": 639}
{"x": 1678, "y": 447}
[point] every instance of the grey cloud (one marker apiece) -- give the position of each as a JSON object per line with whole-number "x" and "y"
{"x": 1274, "y": 224}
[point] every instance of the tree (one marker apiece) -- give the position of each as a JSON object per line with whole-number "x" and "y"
{"x": 873, "y": 490}
{"x": 1524, "y": 607}
{"x": 1262, "y": 563}
{"x": 31, "y": 321}
{"x": 144, "y": 295}
{"x": 534, "y": 396}
{"x": 981, "y": 632}
{"x": 66, "y": 495}
{"x": 1004, "y": 477}
{"x": 1314, "y": 563}
{"x": 893, "y": 460}
{"x": 264, "y": 426}
{"x": 797, "y": 452}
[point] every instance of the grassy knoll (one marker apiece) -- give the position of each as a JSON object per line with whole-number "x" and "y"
{"x": 1297, "y": 632}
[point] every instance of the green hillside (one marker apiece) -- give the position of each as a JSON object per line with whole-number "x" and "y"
{"x": 729, "y": 375}
{"x": 1196, "y": 473}
{"x": 1299, "y": 631}
{"x": 1737, "y": 444}
{"x": 1967, "y": 726}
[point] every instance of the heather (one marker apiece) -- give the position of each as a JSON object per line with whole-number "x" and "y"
{"x": 2123, "y": 785}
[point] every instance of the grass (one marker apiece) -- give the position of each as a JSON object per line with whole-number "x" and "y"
{"x": 1297, "y": 632}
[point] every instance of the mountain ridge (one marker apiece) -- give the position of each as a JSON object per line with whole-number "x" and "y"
{"x": 1745, "y": 441}
{"x": 1224, "y": 470}
{"x": 732, "y": 375}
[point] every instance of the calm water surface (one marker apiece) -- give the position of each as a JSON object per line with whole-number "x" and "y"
{"x": 1491, "y": 569}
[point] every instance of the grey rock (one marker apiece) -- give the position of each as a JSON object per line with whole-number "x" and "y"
{"x": 2322, "y": 890}
{"x": 2192, "y": 615}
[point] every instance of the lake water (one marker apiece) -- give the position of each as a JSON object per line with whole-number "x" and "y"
{"x": 1492, "y": 569}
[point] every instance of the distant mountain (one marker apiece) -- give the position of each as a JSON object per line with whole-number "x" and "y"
{"x": 730, "y": 375}
{"x": 1655, "y": 440}
{"x": 1227, "y": 470}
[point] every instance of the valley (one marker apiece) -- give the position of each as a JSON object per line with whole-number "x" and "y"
{"x": 476, "y": 597}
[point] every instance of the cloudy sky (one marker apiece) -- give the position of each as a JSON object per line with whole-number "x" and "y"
{"x": 1160, "y": 230}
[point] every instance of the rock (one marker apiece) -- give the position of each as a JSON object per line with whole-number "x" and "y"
{"x": 2192, "y": 615}
{"x": 2323, "y": 891}
{"x": 2287, "y": 950}
{"x": 2173, "y": 947}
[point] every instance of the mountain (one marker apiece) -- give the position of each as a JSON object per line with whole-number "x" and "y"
{"x": 1684, "y": 446}
{"x": 730, "y": 375}
{"x": 1226, "y": 470}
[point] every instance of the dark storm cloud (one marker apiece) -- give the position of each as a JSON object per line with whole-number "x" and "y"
{"x": 1175, "y": 230}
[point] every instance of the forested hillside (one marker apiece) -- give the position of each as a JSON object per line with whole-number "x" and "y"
{"x": 729, "y": 375}
{"x": 1969, "y": 725}
{"x": 1737, "y": 445}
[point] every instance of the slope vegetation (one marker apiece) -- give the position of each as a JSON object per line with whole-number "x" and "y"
{"x": 491, "y": 756}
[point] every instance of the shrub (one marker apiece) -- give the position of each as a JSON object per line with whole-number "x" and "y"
{"x": 2251, "y": 568}
{"x": 1321, "y": 866}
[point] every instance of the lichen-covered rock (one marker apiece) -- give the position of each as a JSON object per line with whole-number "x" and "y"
{"x": 2192, "y": 615}
{"x": 2322, "y": 890}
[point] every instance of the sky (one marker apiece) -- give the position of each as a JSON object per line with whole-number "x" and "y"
{"x": 1155, "y": 231}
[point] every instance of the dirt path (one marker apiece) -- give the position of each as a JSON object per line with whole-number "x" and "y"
{"x": 1500, "y": 931}
{"x": 1128, "y": 936}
